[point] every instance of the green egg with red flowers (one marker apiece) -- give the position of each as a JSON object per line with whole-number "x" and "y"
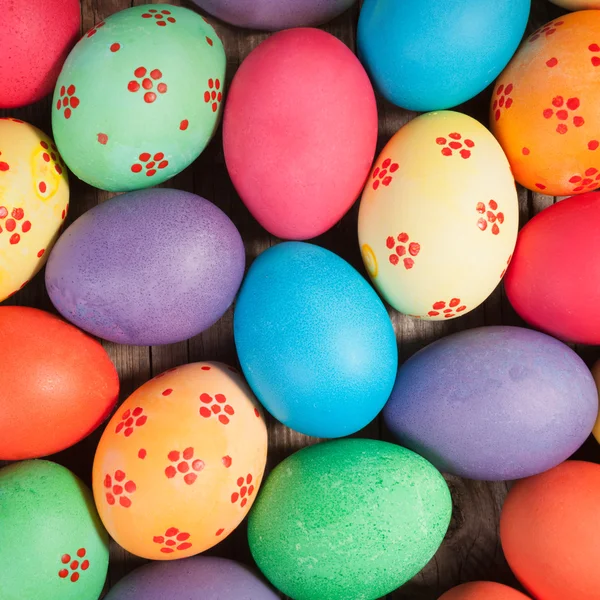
{"x": 52, "y": 543}
{"x": 139, "y": 97}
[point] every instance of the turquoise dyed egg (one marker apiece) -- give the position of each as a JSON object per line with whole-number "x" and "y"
{"x": 139, "y": 97}
{"x": 348, "y": 519}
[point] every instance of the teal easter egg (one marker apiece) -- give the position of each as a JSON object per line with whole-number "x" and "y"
{"x": 52, "y": 543}
{"x": 350, "y": 518}
{"x": 139, "y": 97}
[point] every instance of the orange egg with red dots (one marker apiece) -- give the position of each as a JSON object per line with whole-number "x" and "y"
{"x": 179, "y": 465}
{"x": 34, "y": 199}
{"x": 544, "y": 107}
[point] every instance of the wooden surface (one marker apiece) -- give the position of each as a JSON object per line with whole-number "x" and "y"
{"x": 471, "y": 549}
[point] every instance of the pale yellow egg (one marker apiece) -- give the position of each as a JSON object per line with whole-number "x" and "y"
{"x": 439, "y": 217}
{"x": 34, "y": 199}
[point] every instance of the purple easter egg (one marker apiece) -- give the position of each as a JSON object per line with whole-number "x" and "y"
{"x": 493, "y": 403}
{"x": 149, "y": 267}
{"x": 272, "y": 15}
{"x": 197, "y": 578}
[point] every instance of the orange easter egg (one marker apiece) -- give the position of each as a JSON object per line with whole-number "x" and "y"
{"x": 180, "y": 463}
{"x": 544, "y": 107}
{"x": 482, "y": 590}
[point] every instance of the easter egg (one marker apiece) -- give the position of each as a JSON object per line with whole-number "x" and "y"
{"x": 549, "y": 529}
{"x": 275, "y": 14}
{"x": 421, "y": 247}
{"x": 197, "y": 578}
{"x": 347, "y": 519}
{"x": 34, "y": 200}
{"x": 428, "y": 55}
{"x": 314, "y": 341}
{"x": 52, "y": 543}
{"x": 139, "y": 97}
{"x": 180, "y": 463}
{"x": 596, "y": 375}
{"x": 482, "y": 590}
{"x": 577, "y": 4}
{"x": 553, "y": 286}
{"x": 299, "y": 132}
{"x": 58, "y": 384}
{"x": 148, "y": 267}
{"x": 543, "y": 109}
{"x": 35, "y": 38}
{"x": 493, "y": 403}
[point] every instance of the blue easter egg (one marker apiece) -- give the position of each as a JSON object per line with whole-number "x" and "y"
{"x": 314, "y": 340}
{"x": 430, "y": 54}
{"x": 493, "y": 403}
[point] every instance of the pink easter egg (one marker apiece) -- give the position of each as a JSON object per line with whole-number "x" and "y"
{"x": 299, "y": 134}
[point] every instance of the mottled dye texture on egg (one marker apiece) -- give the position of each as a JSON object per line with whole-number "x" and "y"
{"x": 181, "y": 462}
{"x": 543, "y": 108}
{"x": 493, "y": 403}
{"x": 139, "y": 97}
{"x": 199, "y": 578}
{"x": 275, "y": 14}
{"x": 34, "y": 200}
{"x": 149, "y": 267}
{"x": 314, "y": 341}
{"x": 35, "y": 38}
{"x": 52, "y": 543}
{"x": 348, "y": 519}
{"x": 483, "y": 590}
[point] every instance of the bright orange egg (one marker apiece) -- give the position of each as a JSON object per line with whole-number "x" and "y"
{"x": 544, "y": 108}
{"x": 180, "y": 463}
{"x": 483, "y": 590}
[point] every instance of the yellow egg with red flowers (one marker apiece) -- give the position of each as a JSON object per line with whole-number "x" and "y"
{"x": 34, "y": 199}
{"x": 544, "y": 107}
{"x": 180, "y": 463}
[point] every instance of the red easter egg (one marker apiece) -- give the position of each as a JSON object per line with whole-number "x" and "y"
{"x": 552, "y": 281}
{"x": 299, "y": 132}
{"x": 550, "y": 532}
{"x": 482, "y": 590}
{"x": 35, "y": 38}
{"x": 58, "y": 384}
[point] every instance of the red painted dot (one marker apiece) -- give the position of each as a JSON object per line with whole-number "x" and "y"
{"x": 594, "y": 48}
{"x": 10, "y": 225}
{"x": 250, "y": 490}
{"x": 441, "y": 141}
{"x": 540, "y": 186}
{"x": 183, "y": 467}
{"x": 495, "y": 229}
{"x": 198, "y": 465}
{"x": 403, "y": 237}
{"x": 170, "y": 472}
{"x": 129, "y": 422}
{"x": 394, "y": 259}
{"x": 493, "y": 204}
{"x": 482, "y": 224}
{"x": 561, "y": 128}
{"x": 167, "y": 392}
{"x": 465, "y": 153}
{"x": 85, "y": 565}
{"x": 58, "y": 104}
{"x": 573, "y": 103}
{"x": 229, "y": 409}
{"x": 558, "y": 101}
{"x": 147, "y": 84}
{"x": 563, "y": 115}
{"x": 214, "y": 107}
{"x": 18, "y": 213}
{"x": 149, "y": 97}
{"x": 142, "y": 453}
{"x": 124, "y": 502}
{"x": 102, "y": 139}
{"x": 75, "y": 564}
{"x": 205, "y": 412}
{"x": 171, "y": 531}
{"x": 593, "y": 145}
{"x": 63, "y": 573}
{"x": 525, "y": 151}
{"x": 44, "y": 144}
{"x": 400, "y": 250}
{"x": 226, "y": 460}
{"x": 64, "y": 214}
{"x": 133, "y": 86}
{"x": 578, "y": 121}
{"x": 223, "y": 419}
{"x": 26, "y": 226}
{"x": 58, "y": 169}
{"x": 71, "y": 90}
{"x": 173, "y": 456}
{"x": 41, "y": 253}
{"x": 455, "y": 136}
{"x": 184, "y": 125}
{"x": 209, "y": 41}
{"x": 15, "y": 238}
{"x": 151, "y": 172}
{"x": 184, "y": 546}
{"x": 190, "y": 478}
{"x": 115, "y": 47}
{"x": 591, "y": 171}
{"x": 158, "y": 17}
{"x": 128, "y": 432}
{"x": 163, "y": 164}
{"x": 552, "y": 62}
{"x": 110, "y": 498}
{"x": 171, "y": 20}
{"x": 146, "y": 16}
{"x": 65, "y": 558}
{"x": 497, "y": 114}
{"x": 480, "y": 208}
{"x": 455, "y": 145}
{"x": 155, "y": 74}
{"x": 75, "y": 577}
{"x": 130, "y": 487}
{"x": 596, "y": 61}
{"x": 234, "y": 497}
{"x": 216, "y": 408}
{"x": 219, "y": 531}
{"x": 446, "y": 152}
{"x": 548, "y": 112}
{"x": 188, "y": 453}
{"x": 140, "y": 72}
{"x": 162, "y": 23}
{"x": 162, "y": 88}
{"x": 244, "y": 502}
{"x": 167, "y": 550}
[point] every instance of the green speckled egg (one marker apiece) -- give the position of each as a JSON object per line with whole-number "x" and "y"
{"x": 52, "y": 543}
{"x": 139, "y": 97}
{"x": 348, "y": 519}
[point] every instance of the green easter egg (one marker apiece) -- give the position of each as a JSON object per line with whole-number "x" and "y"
{"x": 52, "y": 543}
{"x": 139, "y": 97}
{"x": 348, "y": 519}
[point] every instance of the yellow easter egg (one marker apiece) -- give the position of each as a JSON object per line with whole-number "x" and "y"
{"x": 34, "y": 199}
{"x": 439, "y": 217}
{"x": 180, "y": 463}
{"x": 596, "y": 374}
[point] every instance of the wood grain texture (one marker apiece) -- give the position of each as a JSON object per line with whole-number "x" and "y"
{"x": 471, "y": 549}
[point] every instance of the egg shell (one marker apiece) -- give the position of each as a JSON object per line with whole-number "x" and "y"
{"x": 180, "y": 463}
{"x": 35, "y": 38}
{"x": 543, "y": 109}
{"x": 347, "y": 519}
{"x": 139, "y": 97}
{"x": 299, "y": 132}
{"x": 272, "y": 15}
{"x": 34, "y": 200}
{"x": 52, "y": 543}
{"x": 493, "y": 403}
{"x": 58, "y": 384}
{"x": 198, "y": 578}
{"x": 482, "y": 590}
{"x": 577, "y": 4}
{"x": 421, "y": 246}
{"x": 428, "y": 55}
{"x": 314, "y": 341}
{"x": 596, "y": 375}
{"x": 552, "y": 284}
{"x": 549, "y": 530}
{"x": 148, "y": 267}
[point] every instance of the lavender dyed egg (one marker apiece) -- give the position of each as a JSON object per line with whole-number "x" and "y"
{"x": 149, "y": 267}
{"x": 493, "y": 403}
{"x": 273, "y": 15}
{"x": 198, "y": 578}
